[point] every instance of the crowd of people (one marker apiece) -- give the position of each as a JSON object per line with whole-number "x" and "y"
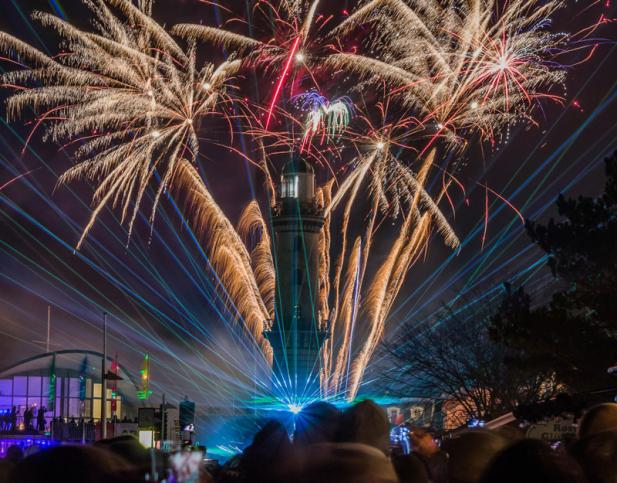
{"x": 33, "y": 419}
{"x": 329, "y": 445}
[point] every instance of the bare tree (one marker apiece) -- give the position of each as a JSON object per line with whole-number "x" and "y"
{"x": 455, "y": 360}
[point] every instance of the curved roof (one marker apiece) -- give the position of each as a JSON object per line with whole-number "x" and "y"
{"x": 69, "y": 364}
{"x": 297, "y": 165}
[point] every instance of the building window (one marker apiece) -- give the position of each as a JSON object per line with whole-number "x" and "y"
{"x": 34, "y": 401}
{"x": 33, "y": 392}
{"x": 74, "y": 409}
{"x": 34, "y": 386}
{"x": 73, "y": 387}
{"x": 20, "y": 402}
{"x": 6, "y": 402}
{"x": 6, "y": 387}
{"x": 45, "y": 389}
{"x": 20, "y": 386}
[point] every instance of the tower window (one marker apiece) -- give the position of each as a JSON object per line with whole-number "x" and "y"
{"x": 289, "y": 187}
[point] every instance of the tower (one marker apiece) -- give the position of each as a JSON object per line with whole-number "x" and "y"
{"x": 295, "y": 333}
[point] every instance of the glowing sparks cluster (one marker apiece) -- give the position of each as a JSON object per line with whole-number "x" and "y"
{"x": 330, "y": 119}
{"x": 130, "y": 99}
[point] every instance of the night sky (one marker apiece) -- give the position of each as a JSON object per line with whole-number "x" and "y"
{"x": 157, "y": 288}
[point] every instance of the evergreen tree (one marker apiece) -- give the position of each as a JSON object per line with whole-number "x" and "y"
{"x": 575, "y": 334}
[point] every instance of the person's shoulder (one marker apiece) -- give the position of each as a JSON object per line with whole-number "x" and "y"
{"x": 411, "y": 459}
{"x": 440, "y": 455}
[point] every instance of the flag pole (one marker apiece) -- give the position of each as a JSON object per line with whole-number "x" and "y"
{"x": 48, "y": 327}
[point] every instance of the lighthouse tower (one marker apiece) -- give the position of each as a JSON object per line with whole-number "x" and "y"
{"x": 295, "y": 333}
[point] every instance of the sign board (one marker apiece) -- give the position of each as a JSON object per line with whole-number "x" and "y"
{"x": 146, "y": 438}
{"x": 557, "y": 429}
{"x": 416, "y": 412}
{"x": 394, "y": 415}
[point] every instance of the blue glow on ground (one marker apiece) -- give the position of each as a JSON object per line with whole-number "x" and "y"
{"x": 232, "y": 430}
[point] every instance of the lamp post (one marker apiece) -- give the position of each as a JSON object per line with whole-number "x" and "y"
{"x": 163, "y": 409}
{"x": 104, "y": 379}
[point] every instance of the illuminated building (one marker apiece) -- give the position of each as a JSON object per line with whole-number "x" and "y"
{"x": 77, "y": 392}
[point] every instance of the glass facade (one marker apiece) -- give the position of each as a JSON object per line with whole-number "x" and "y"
{"x": 32, "y": 392}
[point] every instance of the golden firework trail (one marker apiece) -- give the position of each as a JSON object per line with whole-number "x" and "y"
{"x": 368, "y": 309}
{"x": 247, "y": 279}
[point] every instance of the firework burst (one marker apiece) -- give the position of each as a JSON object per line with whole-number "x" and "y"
{"x": 473, "y": 68}
{"x": 127, "y": 96}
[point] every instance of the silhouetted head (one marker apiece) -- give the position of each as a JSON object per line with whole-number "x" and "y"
{"x": 471, "y": 454}
{"x": 230, "y": 471}
{"x": 511, "y": 433}
{"x": 410, "y": 469}
{"x": 127, "y": 447}
{"x": 602, "y": 417}
{"x": 342, "y": 463}
{"x": 533, "y": 461}
{"x": 267, "y": 457}
{"x": 366, "y": 423}
{"x": 273, "y": 434}
{"x": 597, "y": 454}
{"x": 423, "y": 441}
{"x": 14, "y": 454}
{"x": 70, "y": 464}
{"x": 317, "y": 423}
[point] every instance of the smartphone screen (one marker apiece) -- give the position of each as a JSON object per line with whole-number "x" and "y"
{"x": 185, "y": 466}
